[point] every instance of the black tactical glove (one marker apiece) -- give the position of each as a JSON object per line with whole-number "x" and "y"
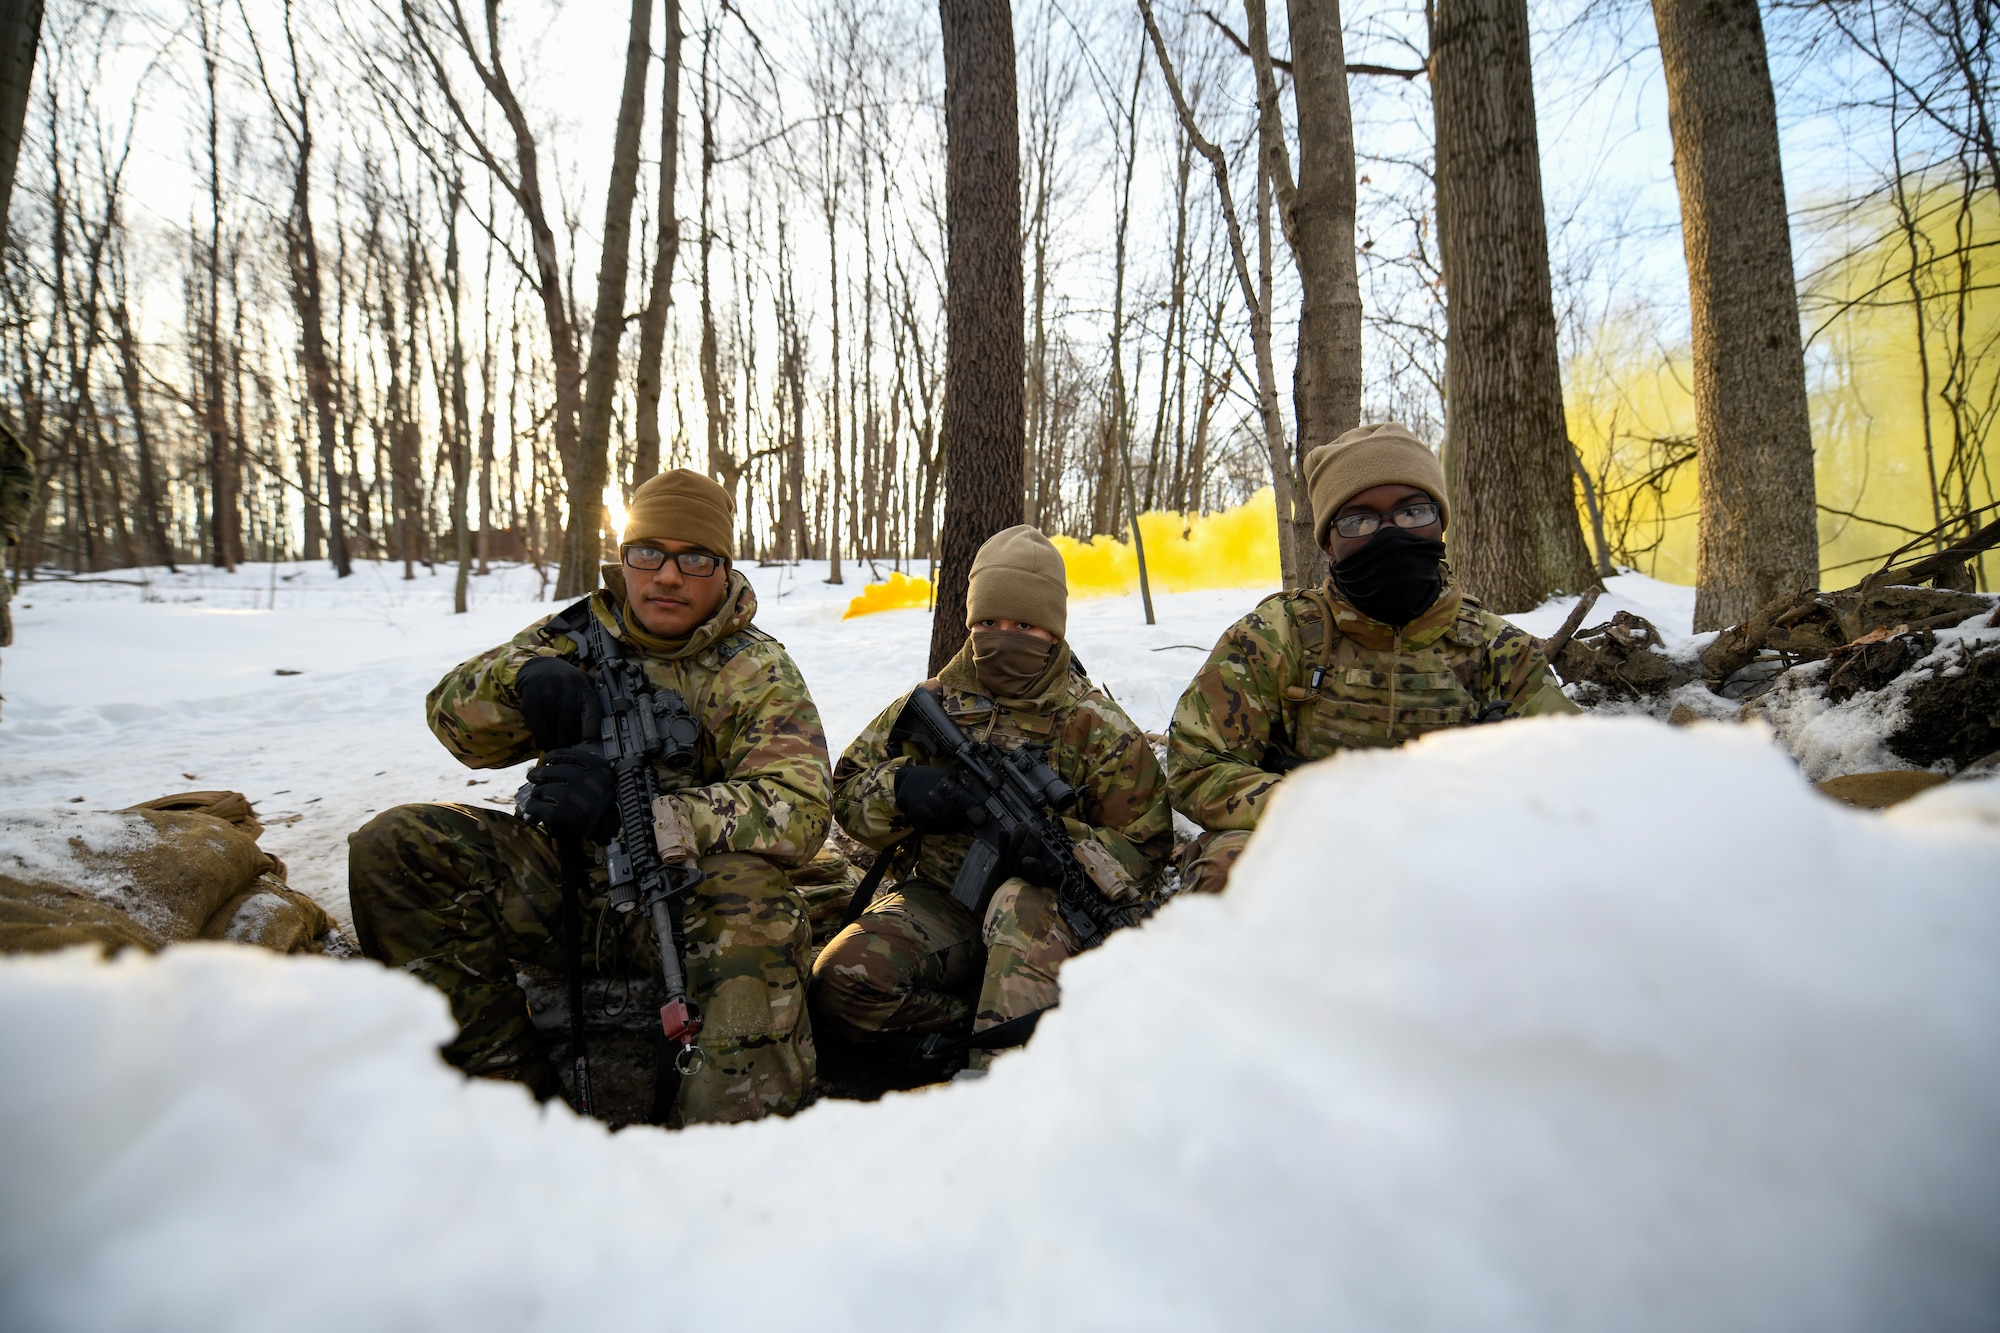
{"x": 558, "y": 702}
{"x": 933, "y": 800}
{"x": 575, "y": 794}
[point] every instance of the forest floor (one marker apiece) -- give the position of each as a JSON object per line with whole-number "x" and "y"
{"x": 1562, "y": 1024}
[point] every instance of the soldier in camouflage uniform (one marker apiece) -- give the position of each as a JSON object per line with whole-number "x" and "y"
{"x": 1382, "y": 652}
{"x": 456, "y": 895}
{"x": 17, "y": 500}
{"x": 917, "y": 962}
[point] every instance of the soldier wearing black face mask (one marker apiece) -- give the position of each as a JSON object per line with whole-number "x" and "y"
{"x": 1386, "y": 650}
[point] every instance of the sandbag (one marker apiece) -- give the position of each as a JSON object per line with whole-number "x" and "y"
{"x": 272, "y": 915}
{"x": 231, "y": 807}
{"x": 41, "y": 918}
{"x": 161, "y": 872}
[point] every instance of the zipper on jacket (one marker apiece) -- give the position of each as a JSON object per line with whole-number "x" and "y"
{"x": 1395, "y": 656}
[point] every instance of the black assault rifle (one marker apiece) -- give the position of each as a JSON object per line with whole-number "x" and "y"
{"x": 642, "y": 726}
{"x": 1016, "y": 819}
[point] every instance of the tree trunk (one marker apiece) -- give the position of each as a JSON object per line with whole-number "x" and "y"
{"x": 653, "y": 324}
{"x": 583, "y": 544}
{"x": 1256, "y": 293}
{"x": 458, "y": 426}
{"x": 20, "y": 33}
{"x": 984, "y": 352}
{"x": 1759, "y": 532}
{"x": 225, "y": 523}
{"x": 159, "y": 550}
{"x": 304, "y": 255}
{"x": 1514, "y": 535}
{"x": 1319, "y": 221}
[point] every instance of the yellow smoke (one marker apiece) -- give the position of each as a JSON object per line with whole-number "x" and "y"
{"x": 1236, "y": 548}
{"x": 900, "y": 593}
{"x": 1628, "y": 400}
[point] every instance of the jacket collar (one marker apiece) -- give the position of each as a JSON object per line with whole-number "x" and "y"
{"x": 736, "y": 611}
{"x": 1375, "y": 636}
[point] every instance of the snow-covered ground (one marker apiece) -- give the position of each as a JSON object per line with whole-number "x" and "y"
{"x": 121, "y": 691}
{"x": 1564, "y": 1024}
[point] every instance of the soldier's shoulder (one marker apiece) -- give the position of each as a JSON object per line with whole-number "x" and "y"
{"x": 1276, "y": 620}
{"x": 1490, "y": 626}
{"x": 1102, "y": 712}
{"x": 730, "y": 646}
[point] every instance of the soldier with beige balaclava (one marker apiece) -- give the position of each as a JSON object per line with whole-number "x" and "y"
{"x": 917, "y": 963}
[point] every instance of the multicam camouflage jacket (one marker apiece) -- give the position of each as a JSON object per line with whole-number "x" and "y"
{"x": 17, "y": 501}
{"x": 760, "y": 781}
{"x": 1305, "y": 674}
{"x": 1121, "y": 792}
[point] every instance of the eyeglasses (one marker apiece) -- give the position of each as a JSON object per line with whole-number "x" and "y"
{"x": 694, "y": 564}
{"x": 1419, "y": 515}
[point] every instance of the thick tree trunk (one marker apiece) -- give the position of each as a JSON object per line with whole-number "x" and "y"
{"x": 984, "y": 351}
{"x": 1759, "y": 533}
{"x": 1514, "y": 534}
{"x": 653, "y": 324}
{"x": 583, "y": 544}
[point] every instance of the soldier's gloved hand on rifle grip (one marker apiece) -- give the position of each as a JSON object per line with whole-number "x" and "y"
{"x": 558, "y": 702}
{"x": 575, "y": 793}
{"x": 933, "y": 800}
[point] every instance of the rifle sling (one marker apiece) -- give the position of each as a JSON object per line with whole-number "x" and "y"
{"x": 569, "y": 852}
{"x": 864, "y": 893}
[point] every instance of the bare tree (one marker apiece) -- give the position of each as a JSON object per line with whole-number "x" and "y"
{"x": 1285, "y": 482}
{"x": 585, "y": 461}
{"x": 653, "y": 323}
{"x": 584, "y": 544}
{"x": 984, "y": 351}
{"x": 302, "y": 250}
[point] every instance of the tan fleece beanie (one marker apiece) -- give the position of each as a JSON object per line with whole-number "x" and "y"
{"x": 683, "y": 506}
{"x": 1365, "y": 457}
{"x": 1018, "y": 575}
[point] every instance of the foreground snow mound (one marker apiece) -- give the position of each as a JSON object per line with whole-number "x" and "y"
{"x": 1570, "y": 1024}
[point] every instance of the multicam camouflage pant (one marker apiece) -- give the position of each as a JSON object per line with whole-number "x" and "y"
{"x": 457, "y": 895}
{"x": 1207, "y": 861}
{"x": 916, "y": 961}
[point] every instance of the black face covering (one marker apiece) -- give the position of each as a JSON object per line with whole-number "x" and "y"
{"x": 1394, "y": 578}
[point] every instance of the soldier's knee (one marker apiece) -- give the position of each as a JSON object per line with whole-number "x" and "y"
{"x": 1206, "y": 865}
{"x": 392, "y": 862}
{"x": 752, "y": 899}
{"x": 856, "y": 982}
{"x": 1022, "y": 916}
{"x": 407, "y": 836}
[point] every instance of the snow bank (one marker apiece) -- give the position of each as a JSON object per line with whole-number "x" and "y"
{"x": 1831, "y": 739}
{"x": 1569, "y": 1024}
